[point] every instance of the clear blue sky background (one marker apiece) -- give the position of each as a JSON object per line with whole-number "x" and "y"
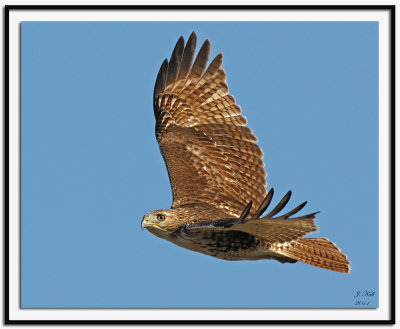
{"x": 91, "y": 167}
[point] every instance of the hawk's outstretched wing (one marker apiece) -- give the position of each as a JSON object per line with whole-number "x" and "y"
{"x": 270, "y": 228}
{"x": 210, "y": 154}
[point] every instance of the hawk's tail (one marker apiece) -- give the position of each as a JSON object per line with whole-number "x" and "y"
{"x": 319, "y": 252}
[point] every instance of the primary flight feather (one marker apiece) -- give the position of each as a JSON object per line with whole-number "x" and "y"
{"x": 217, "y": 174}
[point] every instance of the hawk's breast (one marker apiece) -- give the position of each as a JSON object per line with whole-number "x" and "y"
{"x": 228, "y": 245}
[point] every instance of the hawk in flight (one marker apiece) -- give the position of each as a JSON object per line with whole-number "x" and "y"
{"x": 217, "y": 174}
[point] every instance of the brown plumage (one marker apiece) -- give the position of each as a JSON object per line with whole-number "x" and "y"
{"x": 217, "y": 174}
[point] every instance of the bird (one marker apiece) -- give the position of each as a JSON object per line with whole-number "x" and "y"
{"x": 217, "y": 174}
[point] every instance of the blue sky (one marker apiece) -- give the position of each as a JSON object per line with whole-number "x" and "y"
{"x": 91, "y": 167}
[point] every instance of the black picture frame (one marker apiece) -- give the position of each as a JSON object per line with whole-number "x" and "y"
{"x": 10, "y": 8}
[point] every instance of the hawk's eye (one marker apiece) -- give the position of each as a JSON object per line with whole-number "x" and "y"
{"x": 160, "y": 217}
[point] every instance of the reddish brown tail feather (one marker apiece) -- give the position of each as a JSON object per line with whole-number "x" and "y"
{"x": 319, "y": 252}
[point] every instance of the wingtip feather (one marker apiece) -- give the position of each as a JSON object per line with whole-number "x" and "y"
{"x": 188, "y": 55}
{"x": 161, "y": 79}
{"x": 200, "y": 63}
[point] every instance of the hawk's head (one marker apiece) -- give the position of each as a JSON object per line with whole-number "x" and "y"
{"x": 171, "y": 219}
{"x": 163, "y": 219}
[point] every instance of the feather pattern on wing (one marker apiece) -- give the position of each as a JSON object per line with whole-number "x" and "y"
{"x": 268, "y": 228}
{"x": 210, "y": 154}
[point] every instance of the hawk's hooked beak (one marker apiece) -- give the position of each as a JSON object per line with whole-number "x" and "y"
{"x": 145, "y": 222}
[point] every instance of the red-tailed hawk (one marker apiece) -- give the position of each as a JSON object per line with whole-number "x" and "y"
{"x": 217, "y": 174}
